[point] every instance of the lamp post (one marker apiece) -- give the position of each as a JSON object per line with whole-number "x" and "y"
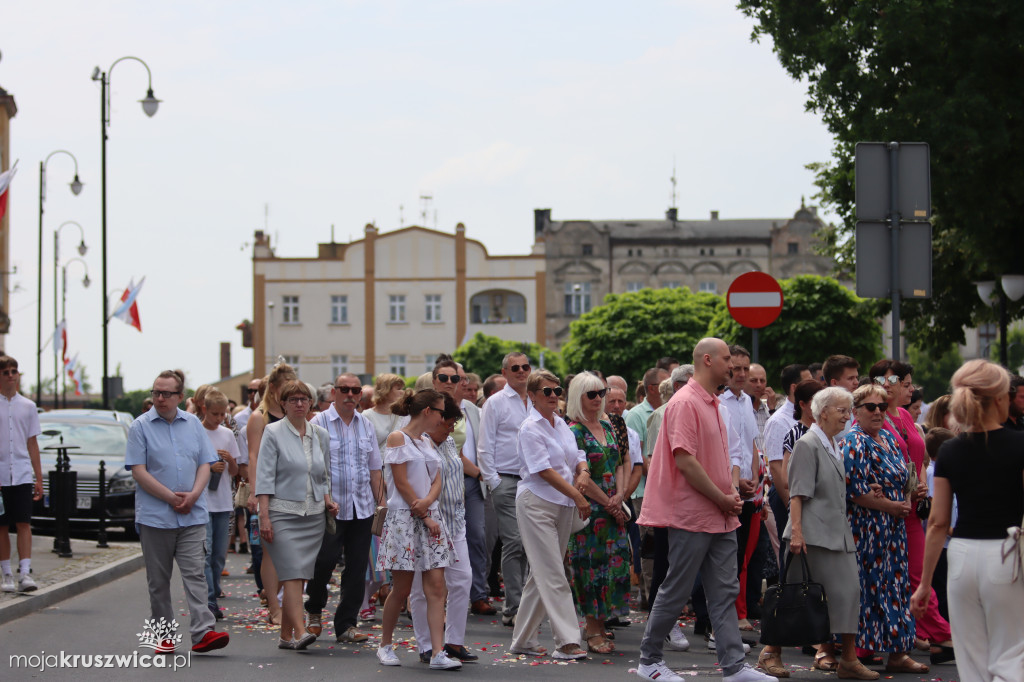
{"x": 82, "y": 248}
{"x": 63, "y": 307}
{"x": 149, "y": 105}
{"x": 1010, "y": 287}
{"x": 76, "y": 188}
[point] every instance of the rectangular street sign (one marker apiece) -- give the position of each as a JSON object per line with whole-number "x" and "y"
{"x": 872, "y": 181}
{"x": 873, "y": 248}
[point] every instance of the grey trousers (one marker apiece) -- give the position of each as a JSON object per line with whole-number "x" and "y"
{"x": 476, "y": 539}
{"x": 513, "y": 557}
{"x": 161, "y": 547}
{"x": 714, "y": 555}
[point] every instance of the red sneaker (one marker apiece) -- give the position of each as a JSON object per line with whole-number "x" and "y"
{"x": 166, "y": 648}
{"x": 211, "y": 640}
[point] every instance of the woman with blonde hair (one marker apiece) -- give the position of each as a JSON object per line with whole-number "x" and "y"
{"x": 939, "y": 416}
{"x": 269, "y": 411}
{"x": 984, "y": 469}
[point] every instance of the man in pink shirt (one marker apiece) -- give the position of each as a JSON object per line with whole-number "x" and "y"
{"x": 690, "y": 492}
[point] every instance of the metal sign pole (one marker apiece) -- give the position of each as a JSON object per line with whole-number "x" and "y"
{"x": 894, "y": 227}
{"x": 753, "y": 342}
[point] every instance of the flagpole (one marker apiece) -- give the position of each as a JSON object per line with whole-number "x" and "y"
{"x": 56, "y": 266}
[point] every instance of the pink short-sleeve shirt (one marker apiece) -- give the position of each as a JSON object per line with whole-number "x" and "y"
{"x": 692, "y": 423}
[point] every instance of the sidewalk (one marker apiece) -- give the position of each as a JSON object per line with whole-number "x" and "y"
{"x": 59, "y": 579}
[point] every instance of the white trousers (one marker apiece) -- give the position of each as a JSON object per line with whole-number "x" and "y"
{"x": 986, "y": 612}
{"x": 459, "y": 578}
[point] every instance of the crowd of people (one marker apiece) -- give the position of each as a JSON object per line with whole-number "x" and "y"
{"x": 679, "y": 496}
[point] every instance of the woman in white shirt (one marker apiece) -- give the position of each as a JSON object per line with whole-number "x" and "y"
{"x": 414, "y": 536}
{"x": 547, "y": 498}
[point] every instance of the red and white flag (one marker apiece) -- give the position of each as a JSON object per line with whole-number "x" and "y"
{"x": 5, "y": 184}
{"x": 74, "y": 373}
{"x": 128, "y": 311}
{"x": 60, "y": 341}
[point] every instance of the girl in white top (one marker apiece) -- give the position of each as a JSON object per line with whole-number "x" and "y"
{"x": 414, "y": 536}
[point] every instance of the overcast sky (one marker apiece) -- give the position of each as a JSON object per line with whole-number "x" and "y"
{"x": 343, "y": 112}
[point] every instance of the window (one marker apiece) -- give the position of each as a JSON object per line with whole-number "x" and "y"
{"x": 433, "y": 303}
{"x": 630, "y": 252}
{"x": 702, "y": 252}
{"x": 431, "y": 360}
{"x": 634, "y": 286}
{"x": 290, "y": 310}
{"x": 739, "y": 251}
{"x": 497, "y": 307}
{"x": 339, "y": 310}
{"x": 710, "y": 287}
{"x": 398, "y": 365}
{"x": 793, "y": 248}
{"x": 292, "y": 360}
{"x": 396, "y": 309}
{"x": 639, "y": 252}
{"x": 588, "y": 249}
{"x": 987, "y": 334}
{"x": 577, "y": 298}
{"x": 673, "y": 284}
{"x": 711, "y": 252}
{"x": 339, "y": 365}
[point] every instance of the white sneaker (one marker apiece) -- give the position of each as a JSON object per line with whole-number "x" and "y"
{"x": 676, "y": 640}
{"x": 7, "y": 583}
{"x": 387, "y": 656}
{"x": 713, "y": 647}
{"x": 26, "y": 584}
{"x": 657, "y": 671}
{"x": 442, "y": 662}
{"x": 748, "y": 674}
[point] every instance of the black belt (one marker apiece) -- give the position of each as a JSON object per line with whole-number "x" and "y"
{"x": 511, "y": 475}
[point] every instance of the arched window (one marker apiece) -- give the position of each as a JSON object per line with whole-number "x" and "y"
{"x": 497, "y": 306}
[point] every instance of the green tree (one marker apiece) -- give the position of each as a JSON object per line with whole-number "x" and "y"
{"x": 628, "y": 333}
{"x": 932, "y": 371}
{"x": 917, "y": 71}
{"x": 820, "y": 317}
{"x": 482, "y": 354}
{"x": 131, "y": 401}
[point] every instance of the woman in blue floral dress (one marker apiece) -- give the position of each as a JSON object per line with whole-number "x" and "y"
{"x": 877, "y": 516}
{"x": 599, "y": 553}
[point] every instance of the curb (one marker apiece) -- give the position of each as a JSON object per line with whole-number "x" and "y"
{"x": 72, "y": 587}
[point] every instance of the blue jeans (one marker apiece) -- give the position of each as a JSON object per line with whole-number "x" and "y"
{"x": 216, "y": 552}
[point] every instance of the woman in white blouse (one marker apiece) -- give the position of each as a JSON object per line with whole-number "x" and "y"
{"x": 415, "y": 537}
{"x": 553, "y": 472}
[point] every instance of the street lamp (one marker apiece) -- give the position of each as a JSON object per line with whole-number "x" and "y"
{"x": 63, "y": 307}
{"x": 1012, "y": 288}
{"x": 149, "y": 105}
{"x": 76, "y": 188}
{"x": 82, "y": 248}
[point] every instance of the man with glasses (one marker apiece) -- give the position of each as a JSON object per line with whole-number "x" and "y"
{"x": 498, "y": 459}
{"x": 357, "y": 487}
{"x": 19, "y": 465}
{"x": 169, "y": 456}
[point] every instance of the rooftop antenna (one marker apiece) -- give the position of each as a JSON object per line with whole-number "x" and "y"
{"x": 401, "y": 215}
{"x": 332, "y": 233}
{"x": 673, "y": 181}
{"x": 425, "y": 200}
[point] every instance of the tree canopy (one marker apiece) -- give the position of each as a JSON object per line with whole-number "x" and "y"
{"x": 946, "y": 72}
{"x": 820, "y": 317}
{"x": 629, "y": 332}
{"x": 482, "y": 355}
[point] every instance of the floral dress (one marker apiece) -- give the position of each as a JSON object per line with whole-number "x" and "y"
{"x": 881, "y": 539}
{"x": 599, "y": 554}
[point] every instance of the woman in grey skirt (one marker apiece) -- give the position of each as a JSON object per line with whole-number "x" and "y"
{"x": 818, "y": 526}
{"x": 294, "y": 490}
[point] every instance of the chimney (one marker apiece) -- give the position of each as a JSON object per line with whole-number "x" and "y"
{"x": 672, "y": 214}
{"x": 225, "y": 359}
{"x": 541, "y": 218}
{"x": 714, "y": 215}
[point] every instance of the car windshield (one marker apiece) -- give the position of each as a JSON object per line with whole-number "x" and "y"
{"x": 104, "y": 440}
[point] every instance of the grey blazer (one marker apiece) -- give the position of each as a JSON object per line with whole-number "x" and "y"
{"x": 817, "y": 476}
{"x": 282, "y": 471}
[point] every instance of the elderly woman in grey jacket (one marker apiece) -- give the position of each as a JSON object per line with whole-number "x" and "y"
{"x": 293, "y": 487}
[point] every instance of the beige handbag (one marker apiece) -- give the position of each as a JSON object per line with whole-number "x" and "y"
{"x": 242, "y": 494}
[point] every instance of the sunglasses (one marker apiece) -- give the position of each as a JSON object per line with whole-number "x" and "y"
{"x": 439, "y": 410}
{"x": 10, "y": 372}
{"x": 549, "y": 391}
{"x": 871, "y": 407}
{"x": 445, "y": 378}
{"x": 516, "y": 368}
{"x": 354, "y": 390}
{"x": 596, "y": 394}
{"x": 892, "y": 379}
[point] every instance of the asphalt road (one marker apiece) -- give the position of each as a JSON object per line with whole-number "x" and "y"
{"x": 106, "y": 621}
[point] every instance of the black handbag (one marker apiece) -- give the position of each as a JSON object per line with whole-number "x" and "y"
{"x": 795, "y": 614}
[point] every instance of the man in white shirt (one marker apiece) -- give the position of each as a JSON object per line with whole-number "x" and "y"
{"x": 775, "y": 430}
{"x": 498, "y": 459}
{"x": 21, "y": 475}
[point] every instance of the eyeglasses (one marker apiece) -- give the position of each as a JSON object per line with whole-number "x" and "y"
{"x": 871, "y": 407}
{"x": 298, "y": 400}
{"x": 549, "y": 391}
{"x": 354, "y": 390}
{"x": 439, "y": 410}
{"x": 892, "y": 379}
{"x": 516, "y": 368}
{"x": 10, "y": 372}
{"x": 844, "y": 411}
{"x": 445, "y": 378}
{"x": 250, "y": 391}
{"x": 596, "y": 394}
{"x": 164, "y": 394}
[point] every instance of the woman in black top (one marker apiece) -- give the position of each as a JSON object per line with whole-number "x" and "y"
{"x": 984, "y": 469}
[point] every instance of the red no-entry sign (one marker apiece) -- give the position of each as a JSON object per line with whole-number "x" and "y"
{"x": 754, "y": 300}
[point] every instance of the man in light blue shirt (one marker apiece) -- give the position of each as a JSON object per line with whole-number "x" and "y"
{"x": 169, "y": 456}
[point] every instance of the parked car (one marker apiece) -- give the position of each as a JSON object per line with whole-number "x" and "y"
{"x": 99, "y": 435}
